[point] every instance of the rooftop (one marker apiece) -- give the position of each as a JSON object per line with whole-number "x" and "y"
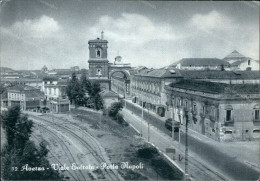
{"x": 216, "y": 88}
{"x": 21, "y": 88}
{"x": 201, "y": 62}
{"x": 218, "y": 74}
{"x": 159, "y": 73}
{"x": 98, "y": 40}
{"x": 234, "y": 55}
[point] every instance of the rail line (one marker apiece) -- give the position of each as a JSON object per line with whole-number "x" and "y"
{"x": 65, "y": 147}
{"x": 99, "y": 157}
{"x": 55, "y": 158}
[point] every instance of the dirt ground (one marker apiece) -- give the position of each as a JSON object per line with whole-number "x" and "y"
{"x": 121, "y": 144}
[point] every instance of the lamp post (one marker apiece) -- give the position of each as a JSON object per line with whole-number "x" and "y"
{"x": 148, "y": 125}
{"x": 172, "y": 125}
{"x": 142, "y": 115}
{"x": 186, "y": 145}
{"x": 125, "y": 93}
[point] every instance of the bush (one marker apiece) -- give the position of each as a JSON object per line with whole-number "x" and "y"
{"x": 147, "y": 152}
{"x": 114, "y": 109}
{"x": 120, "y": 119}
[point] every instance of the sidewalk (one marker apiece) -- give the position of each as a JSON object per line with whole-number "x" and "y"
{"x": 244, "y": 152}
{"x": 196, "y": 168}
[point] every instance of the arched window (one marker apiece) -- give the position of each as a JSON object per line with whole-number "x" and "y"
{"x": 256, "y": 112}
{"x": 228, "y": 109}
{"x": 99, "y": 71}
{"x": 98, "y": 52}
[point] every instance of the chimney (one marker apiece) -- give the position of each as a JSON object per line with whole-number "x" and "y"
{"x": 102, "y": 35}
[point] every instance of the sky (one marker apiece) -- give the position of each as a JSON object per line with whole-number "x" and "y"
{"x": 154, "y": 34}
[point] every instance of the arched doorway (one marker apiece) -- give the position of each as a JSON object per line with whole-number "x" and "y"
{"x": 120, "y": 82}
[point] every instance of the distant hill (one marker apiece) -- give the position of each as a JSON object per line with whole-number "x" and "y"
{"x": 6, "y": 69}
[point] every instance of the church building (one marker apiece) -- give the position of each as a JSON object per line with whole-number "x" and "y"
{"x": 98, "y": 62}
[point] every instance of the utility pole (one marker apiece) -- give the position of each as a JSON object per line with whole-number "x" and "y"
{"x": 52, "y": 112}
{"x": 125, "y": 93}
{"x": 142, "y": 116}
{"x": 148, "y": 125}
{"x": 180, "y": 136}
{"x": 186, "y": 146}
{"x": 172, "y": 125}
{"x": 148, "y": 132}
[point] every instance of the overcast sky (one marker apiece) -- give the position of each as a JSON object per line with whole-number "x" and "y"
{"x": 55, "y": 33}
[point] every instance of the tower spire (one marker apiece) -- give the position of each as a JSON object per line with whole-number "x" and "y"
{"x": 102, "y": 35}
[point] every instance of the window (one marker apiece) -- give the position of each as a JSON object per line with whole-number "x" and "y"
{"x": 99, "y": 71}
{"x": 256, "y": 131}
{"x": 98, "y": 52}
{"x": 257, "y": 114}
{"x": 228, "y": 115}
{"x": 203, "y": 109}
{"x": 186, "y": 104}
{"x": 179, "y": 102}
{"x": 228, "y": 132}
{"x": 194, "y": 107}
{"x": 248, "y": 62}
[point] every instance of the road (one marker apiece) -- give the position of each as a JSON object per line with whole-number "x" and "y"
{"x": 205, "y": 161}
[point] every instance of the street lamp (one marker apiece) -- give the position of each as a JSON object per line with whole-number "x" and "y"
{"x": 186, "y": 145}
{"x": 125, "y": 93}
{"x": 142, "y": 115}
{"x": 172, "y": 125}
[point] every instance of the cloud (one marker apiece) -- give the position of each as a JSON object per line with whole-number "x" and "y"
{"x": 138, "y": 39}
{"x": 134, "y": 29}
{"x": 211, "y": 21}
{"x": 43, "y": 27}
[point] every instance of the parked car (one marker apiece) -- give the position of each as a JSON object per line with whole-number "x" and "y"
{"x": 168, "y": 125}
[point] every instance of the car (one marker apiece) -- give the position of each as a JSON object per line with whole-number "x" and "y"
{"x": 168, "y": 125}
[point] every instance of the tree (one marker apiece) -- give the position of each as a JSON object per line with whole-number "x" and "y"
{"x": 75, "y": 91}
{"x": 114, "y": 109}
{"x": 95, "y": 89}
{"x": 98, "y": 102}
{"x": 85, "y": 83}
{"x": 9, "y": 123}
{"x": 20, "y": 150}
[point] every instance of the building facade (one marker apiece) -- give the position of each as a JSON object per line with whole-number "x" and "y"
{"x": 219, "y": 111}
{"x": 55, "y": 94}
{"x": 27, "y": 97}
{"x": 147, "y": 88}
{"x": 98, "y": 62}
{"x": 120, "y": 84}
{"x": 238, "y": 61}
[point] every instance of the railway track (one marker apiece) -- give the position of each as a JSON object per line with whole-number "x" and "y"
{"x": 98, "y": 155}
{"x": 64, "y": 147}
{"x": 53, "y": 156}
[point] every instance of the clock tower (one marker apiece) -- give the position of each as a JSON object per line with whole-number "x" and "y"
{"x": 98, "y": 62}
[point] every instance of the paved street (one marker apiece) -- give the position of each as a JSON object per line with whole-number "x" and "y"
{"x": 202, "y": 150}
